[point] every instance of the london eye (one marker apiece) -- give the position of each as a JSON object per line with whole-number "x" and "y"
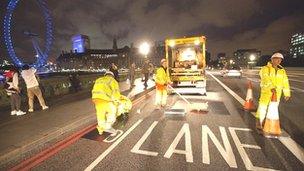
{"x": 41, "y": 53}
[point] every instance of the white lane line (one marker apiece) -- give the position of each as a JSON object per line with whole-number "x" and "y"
{"x": 289, "y": 143}
{"x": 296, "y": 80}
{"x": 136, "y": 148}
{"x": 241, "y": 149}
{"x": 295, "y": 148}
{"x": 188, "y": 147}
{"x": 105, "y": 153}
{"x": 289, "y": 75}
{"x": 237, "y": 97}
{"x": 294, "y": 73}
{"x": 297, "y": 89}
{"x": 291, "y": 87}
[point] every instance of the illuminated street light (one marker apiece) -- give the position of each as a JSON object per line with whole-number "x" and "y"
{"x": 251, "y": 61}
{"x": 144, "y": 48}
{"x": 197, "y": 42}
{"x": 231, "y": 61}
{"x": 252, "y": 57}
{"x": 171, "y": 43}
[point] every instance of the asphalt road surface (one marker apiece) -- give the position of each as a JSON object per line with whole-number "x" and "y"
{"x": 222, "y": 138}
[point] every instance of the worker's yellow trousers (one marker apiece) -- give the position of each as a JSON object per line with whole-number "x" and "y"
{"x": 161, "y": 97}
{"x": 106, "y": 114}
{"x": 264, "y": 101}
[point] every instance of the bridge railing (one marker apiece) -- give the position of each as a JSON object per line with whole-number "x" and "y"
{"x": 58, "y": 86}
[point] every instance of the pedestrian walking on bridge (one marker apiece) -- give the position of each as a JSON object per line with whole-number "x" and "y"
{"x": 132, "y": 73}
{"x": 33, "y": 89}
{"x": 273, "y": 80}
{"x": 106, "y": 95}
{"x": 145, "y": 72}
{"x": 13, "y": 91}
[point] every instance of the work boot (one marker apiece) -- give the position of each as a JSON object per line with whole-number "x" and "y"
{"x": 111, "y": 130}
{"x": 158, "y": 107}
{"x": 258, "y": 124}
{"x": 100, "y": 130}
{"x": 19, "y": 113}
{"x": 259, "y": 127}
{"x": 164, "y": 107}
{"x": 14, "y": 112}
{"x": 44, "y": 107}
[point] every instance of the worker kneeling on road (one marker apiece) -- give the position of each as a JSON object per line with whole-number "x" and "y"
{"x": 161, "y": 81}
{"x": 106, "y": 96}
{"x": 273, "y": 79}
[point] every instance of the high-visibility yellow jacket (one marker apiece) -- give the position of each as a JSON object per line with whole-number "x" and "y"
{"x": 124, "y": 105}
{"x": 270, "y": 78}
{"x": 161, "y": 78}
{"x": 106, "y": 88}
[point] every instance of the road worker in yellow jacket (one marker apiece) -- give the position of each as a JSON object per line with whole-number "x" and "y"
{"x": 161, "y": 81}
{"x": 273, "y": 79}
{"x": 106, "y": 95}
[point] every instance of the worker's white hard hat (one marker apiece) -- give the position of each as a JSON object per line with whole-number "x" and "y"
{"x": 109, "y": 73}
{"x": 277, "y": 55}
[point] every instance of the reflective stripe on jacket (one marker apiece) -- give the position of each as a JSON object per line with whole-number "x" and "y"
{"x": 270, "y": 78}
{"x": 106, "y": 88}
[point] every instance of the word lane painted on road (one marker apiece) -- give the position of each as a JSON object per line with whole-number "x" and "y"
{"x": 225, "y": 150}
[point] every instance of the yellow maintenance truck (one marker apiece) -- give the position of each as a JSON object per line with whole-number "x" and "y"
{"x": 187, "y": 61}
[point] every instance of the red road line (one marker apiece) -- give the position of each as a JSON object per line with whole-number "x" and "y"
{"x": 135, "y": 102}
{"x": 43, "y": 155}
{"x": 49, "y": 152}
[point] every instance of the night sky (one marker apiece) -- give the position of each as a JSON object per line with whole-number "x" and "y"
{"x": 228, "y": 24}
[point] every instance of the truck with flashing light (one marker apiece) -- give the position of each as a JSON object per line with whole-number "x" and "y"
{"x": 187, "y": 61}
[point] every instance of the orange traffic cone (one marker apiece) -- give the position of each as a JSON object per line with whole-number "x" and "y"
{"x": 248, "y": 105}
{"x": 272, "y": 123}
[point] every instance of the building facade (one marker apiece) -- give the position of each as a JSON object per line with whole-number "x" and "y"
{"x": 297, "y": 45}
{"x": 81, "y": 57}
{"x": 246, "y": 57}
{"x": 94, "y": 59}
